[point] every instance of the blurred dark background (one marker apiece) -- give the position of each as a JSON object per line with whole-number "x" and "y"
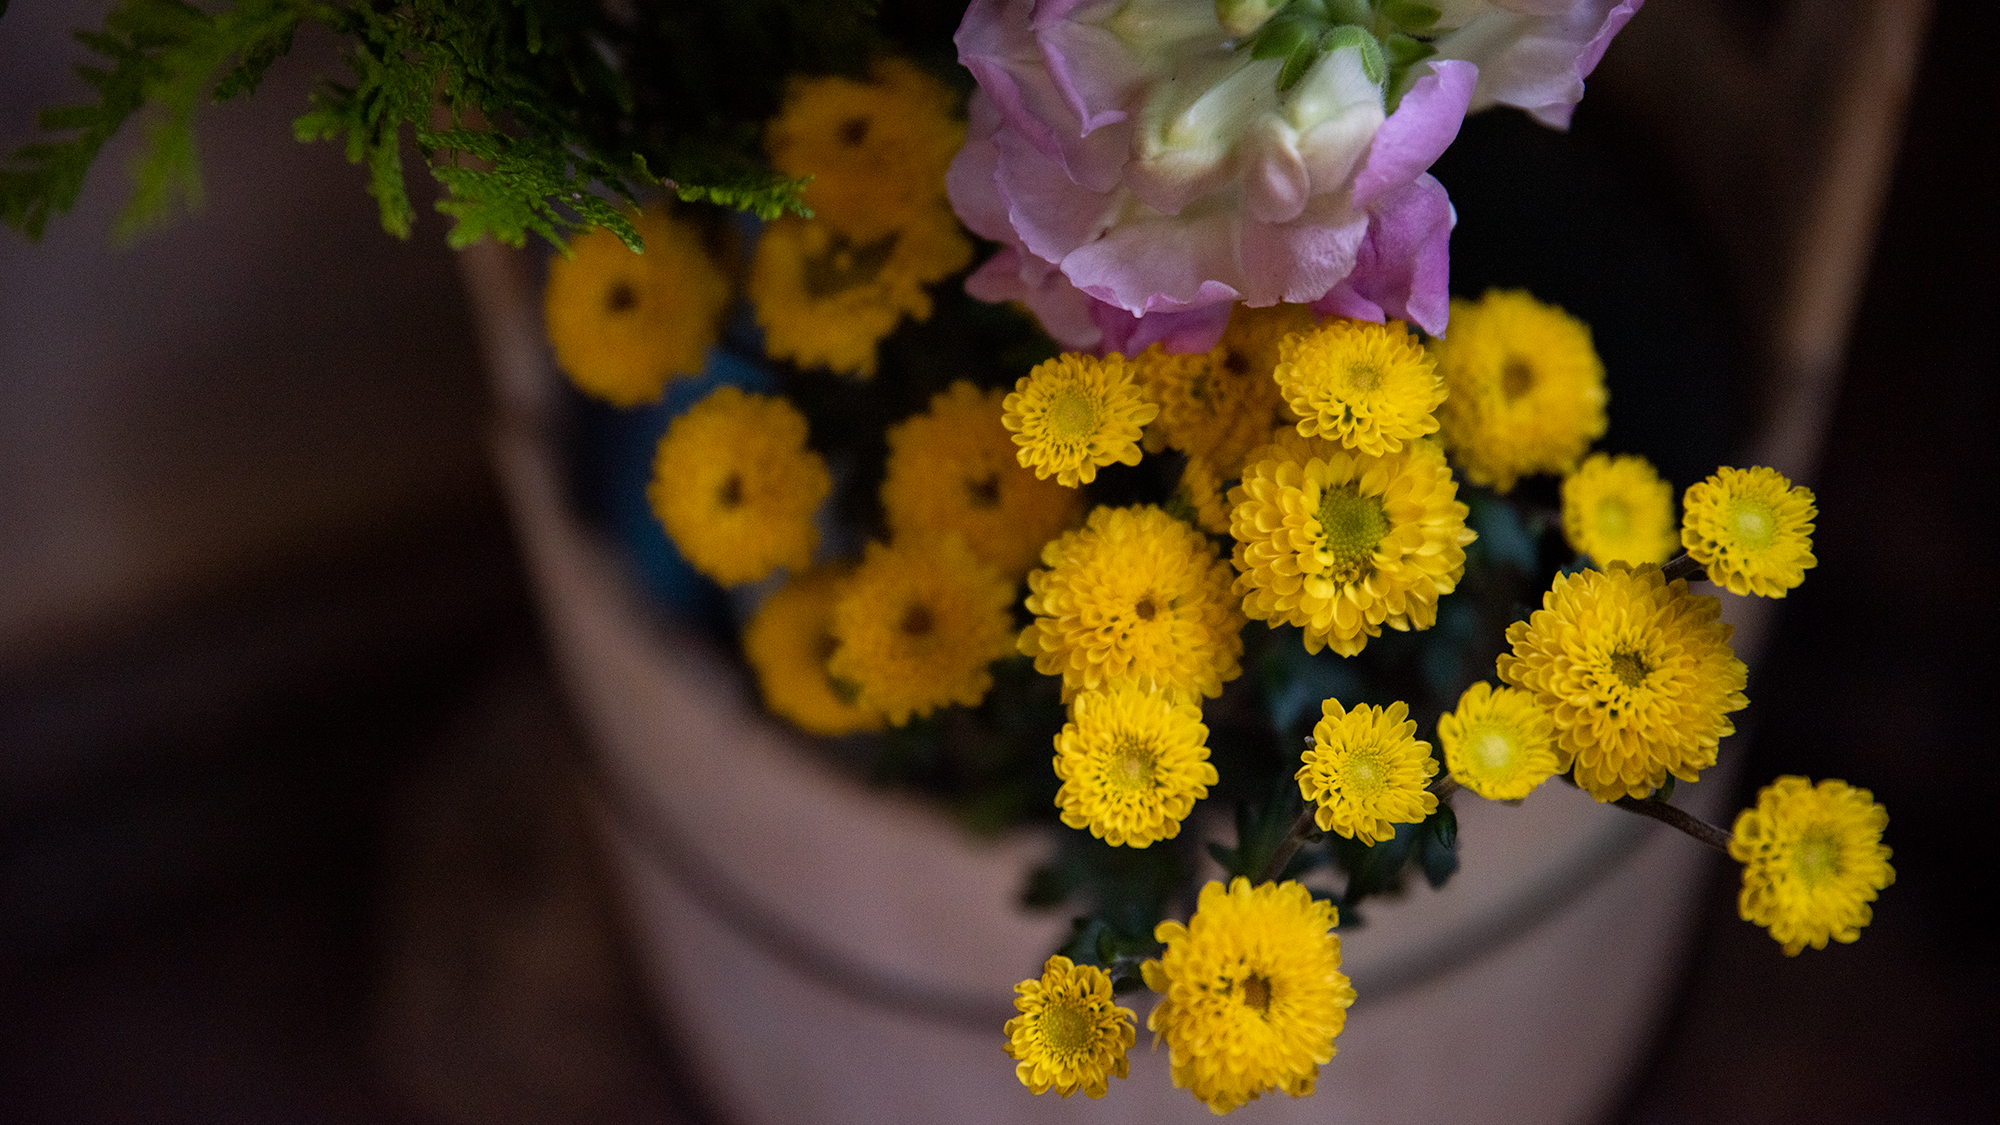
{"x": 288, "y": 827}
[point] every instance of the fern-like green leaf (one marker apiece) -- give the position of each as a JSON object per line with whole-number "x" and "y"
{"x": 542, "y": 116}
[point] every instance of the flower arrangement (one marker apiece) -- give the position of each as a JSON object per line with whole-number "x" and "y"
{"x": 1089, "y": 397}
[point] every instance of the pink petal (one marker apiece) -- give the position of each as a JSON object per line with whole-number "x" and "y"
{"x": 1423, "y": 126}
{"x": 1190, "y": 330}
{"x": 1065, "y": 313}
{"x": 1403, "y": 267}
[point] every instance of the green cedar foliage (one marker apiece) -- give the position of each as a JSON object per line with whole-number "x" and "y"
{"x": 535, "y": 115}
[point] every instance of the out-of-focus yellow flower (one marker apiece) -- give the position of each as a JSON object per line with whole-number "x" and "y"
{"x": 1617, "y": 509}
{"x": 952, "y": 470}
{"x": 788, "y": 643}
{"x": 622, "y": 324}
{"x": 736, "y": 487}
{"x": 919, "y": 625}
{"x": 1526, "y": 388}
{"x": 876, "y": 150}
{"x": 1812, "y": 859}
{"x": 1499, "y": 743}
{"x": 825, "y": 298}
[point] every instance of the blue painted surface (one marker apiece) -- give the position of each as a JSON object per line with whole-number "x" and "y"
{"x": 612, "y": 463}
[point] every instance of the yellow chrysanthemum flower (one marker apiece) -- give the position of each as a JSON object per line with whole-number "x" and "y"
{"x": 1499, "y": 743}
{"x": 876, "y": 151}
{"x": 1221, "y": 404}
{"x": 1136, "y": 596}
{"x": 736, "y": 487}
{"x": 1751, "y": 529}
{"x": 1370, "y": 387}
{"x": 1617, "y": 509}
{"x": 1812, "y": 859}
{"x": 825, "y": 299}
{"x": 952, "y": 470}
{"x": 1252, "y": 996}
{"x": 919, "y": 625}
{"x": 622, "y": 324}
{"x": 1636, "y": 673}
{"x": 1527, "y": 389}
{"x": 1201, "y": 490}
{"x": 1367, "y": 770}
{"x": 1132, "y": 763}
{"x": 788, "y": 642}
{"x": 1254, "y": 336}
{"x": 1071, "y": 1035}
{"x": 1075, "y": 413}
{"x": 1342, "y": 543}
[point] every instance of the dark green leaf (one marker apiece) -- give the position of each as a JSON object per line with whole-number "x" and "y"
{"x": 1444, "y": 825}
{"x": 1301, "y": 59}
{"x": 1411, "y": 15}
{"x": 1405, "y": 52}
{"x": 1346, "y": 36}
{"x": 1281, "y": 37}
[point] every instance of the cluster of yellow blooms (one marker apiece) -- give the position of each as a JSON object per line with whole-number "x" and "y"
{"x": 826, "y": 291}
{"x": 1251, "y": 1000}
{"x": 1320, "y": 490}
{"x": 1345, "y": 519}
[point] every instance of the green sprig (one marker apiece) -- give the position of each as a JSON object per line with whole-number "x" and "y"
{"x": 535, "y": 115}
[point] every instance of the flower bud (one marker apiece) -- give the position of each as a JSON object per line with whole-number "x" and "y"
{"x": 1242, "y": 17}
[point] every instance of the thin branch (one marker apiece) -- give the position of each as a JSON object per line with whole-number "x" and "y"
{"x": 1683, "y": 566}
{"x": 1678, "y": 818}
{"x": 1289, "y": 846}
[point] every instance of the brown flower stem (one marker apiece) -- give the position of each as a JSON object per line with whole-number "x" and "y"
{"x": 1289, "y": 846}
{"x": 1678, "y": 818}
{"x": 1683, "y": 566}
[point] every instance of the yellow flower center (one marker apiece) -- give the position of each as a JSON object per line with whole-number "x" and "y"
{"x": 846, "y": 265}
{"x": 1072, "y": 416}
{"x": 984, "y": 492}
{"x": 917, "y": 621}
{"x": 1496, "y": 749}
{"x": 1065, "y": 1030}
{"x": 1753, "y": 522}
{"x": 1365, "y": 773}
{"x": 1614, "y": 518}
{"x": 1630, "y": 668}
{"x": 730, "y": 492}
{"x": 1516, "y": 378}
{"x": 1816, "y": 859}
{"x": 620, "y": 298}
{"x": 1353, "y": 525}
{"x": 1364, "y": 375}
{"x": 1132, "y": 765}
{"x": 1147, "y": 609}
{"x": 1257, "y": 992}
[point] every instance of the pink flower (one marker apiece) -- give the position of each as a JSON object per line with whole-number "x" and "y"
{"x": 1135, "y": 166}
{"x": 1531, "y": 54}
{"x": 1143, "y": 170}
